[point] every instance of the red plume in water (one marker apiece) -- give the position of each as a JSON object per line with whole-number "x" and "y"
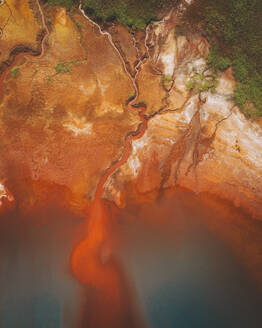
{"x": 95, "y": 266}
{"x": 92, "y": 260}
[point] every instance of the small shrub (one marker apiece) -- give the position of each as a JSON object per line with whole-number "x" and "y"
{"x": 207, "y": 85}
{"x": 14, "y": 71}
{"x": 167, "y": 78}
{"x": 79, "y": 25}
{"x": 201, "y": 76}
{"x": 190, "y": 85}
{"x": 140, "y": 104}
{"x": 62, "y": 68}
{"x": 200, "y": 83}
{"x": 131, "y": 96}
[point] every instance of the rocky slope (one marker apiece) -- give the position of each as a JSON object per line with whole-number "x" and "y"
{"x": 48, "y": 117}
{"x": 198, "y": 140}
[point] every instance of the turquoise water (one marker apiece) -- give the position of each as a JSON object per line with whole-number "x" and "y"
{"x": 200, "y": 286}
{"x": 185, "y": 277}
{"x": 37, "y": 287}
{"x": 41, "y": 311}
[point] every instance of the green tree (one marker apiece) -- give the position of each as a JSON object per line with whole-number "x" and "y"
{"x": 234, "y": 29}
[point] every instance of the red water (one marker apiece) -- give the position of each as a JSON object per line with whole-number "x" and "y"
{"x": 92, "y": 261}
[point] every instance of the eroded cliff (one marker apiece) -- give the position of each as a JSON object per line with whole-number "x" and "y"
{"x": 71, "y": 102}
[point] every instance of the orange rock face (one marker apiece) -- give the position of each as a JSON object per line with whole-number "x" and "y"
{"x": 79, "y": 113}
{"x": 65, "y": 112}
{"x": 198, "y": 140}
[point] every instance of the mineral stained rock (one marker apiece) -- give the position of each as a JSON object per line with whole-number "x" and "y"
{"x": 64, "y": 115}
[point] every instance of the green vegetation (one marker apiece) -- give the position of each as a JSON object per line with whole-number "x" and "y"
{"x": 217, "y": 62}
{"x": 136, "y": 13}
{"x": 62, "y": 68}
{"x": 207, "y": 85}
{"x": 131, "y": 96}
{"x": 191, "y": 84}
{"x": 140, "y": 104}
{"x": 79, "y": 25}
{"x": 14, "y": 71}
{"x": 200, "y": 82}
{"x": 234, "y": 29}
{"x": 66, "y": 3}
{"x": 167, "y": 78}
